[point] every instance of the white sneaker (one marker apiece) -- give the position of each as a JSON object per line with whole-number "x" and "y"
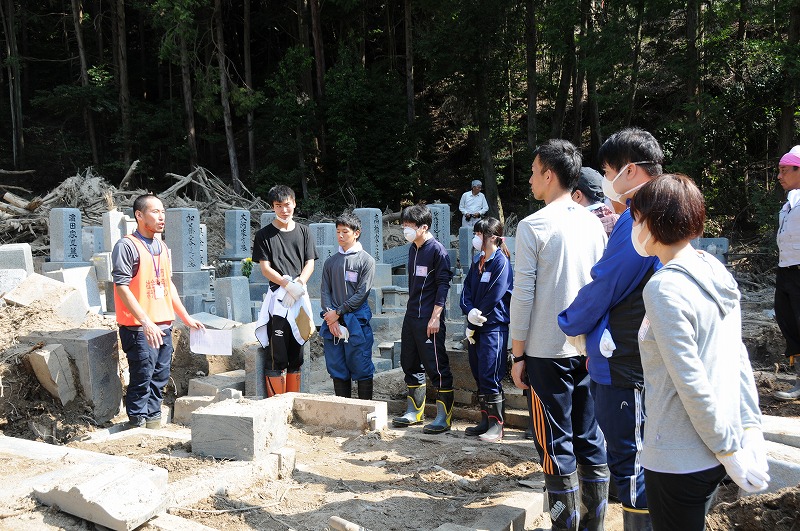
{"x": 791, "y": 394}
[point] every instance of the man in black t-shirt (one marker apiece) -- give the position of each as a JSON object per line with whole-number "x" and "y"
{"x": 286, "y": 254}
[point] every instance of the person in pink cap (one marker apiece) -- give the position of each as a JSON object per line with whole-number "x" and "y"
{"x": 787, "y": 277}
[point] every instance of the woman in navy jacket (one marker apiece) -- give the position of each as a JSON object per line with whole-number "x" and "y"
{"x": 485, "y": 299}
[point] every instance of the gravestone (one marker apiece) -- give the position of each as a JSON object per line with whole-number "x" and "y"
{"x": 11, "y": 278}
{"x": 323, "y": 233}
{"x": 465, "y": 249}
{"x": 183, "y": 237}
{"x": 66, "y": 243}
{"x": 16, "y": 256}
{"x": 315, "y": 282}
{"x": 203, "y": 244}
{"x": 115, "y": 226}
{"x": 83, "y": 279}
{"x": 371, "y": 231}
{"x": 92, "y": 240}
{"x": 440, "y": 224}
{"x": 266, "y": 218}
{"x": 237, "y": 235}
{"x": 232, "y": 295}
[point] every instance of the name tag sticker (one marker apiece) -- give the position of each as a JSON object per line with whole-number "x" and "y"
{"x": 351, "y": 276}
{"x": 421, "y": 271}
{"x": 486, "y": 276}
{"x": 159, "y": 291}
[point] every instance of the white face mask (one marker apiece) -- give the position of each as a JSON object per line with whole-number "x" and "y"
{"x": 477, "y": 242}
{"x": 285, "y": 220}
{"x": 608, "y": 186}
{"x": 409, "y": 234}
{"x": 636, "y": 231}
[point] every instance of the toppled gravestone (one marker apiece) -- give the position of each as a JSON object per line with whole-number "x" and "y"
{"x": 66, "y": 301}
{"x": 53, "y": 370}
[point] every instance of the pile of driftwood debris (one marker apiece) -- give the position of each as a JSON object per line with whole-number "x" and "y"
{"x": 26, "y": 221}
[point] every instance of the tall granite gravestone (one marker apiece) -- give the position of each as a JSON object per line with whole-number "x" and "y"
{"x": 115, "y": 226}
{"x": 440, "y": 224}
{"x": 371, "y": 231}
{"x": 16, "y": 256}
{"x": 315, "y": 282}
{"x": 92, "y": 241}
{"x": 232, "y": 296}
{"x": 203, "y": 245}
{"x": 266, "y": 218}
{"x": 182, "y": 234}
{"x": 465, "y": 250}
{"x": 255, "y": 275}
{"x": 66, "y": 240}
{"x": 237, "y": 240}
{"x": 323, "y": 233}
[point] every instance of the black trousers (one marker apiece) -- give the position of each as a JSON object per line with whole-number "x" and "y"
{"x": 681, "y": 501}
{"x": 787, "y": 307}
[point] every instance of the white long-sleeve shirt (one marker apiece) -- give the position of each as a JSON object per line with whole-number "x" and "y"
{"x": 471, "y": 204}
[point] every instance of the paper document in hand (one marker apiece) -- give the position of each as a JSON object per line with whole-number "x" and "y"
{"x": 211, "y": 342}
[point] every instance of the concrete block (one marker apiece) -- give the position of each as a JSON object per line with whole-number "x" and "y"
{"x": 400, "y": 280}
{"x": 287, "y": 461}
{"x": 186, "y": 405}
{"x": 102, "y": 267}
{"x": 192, "y": 282}
{"x": 10, "y": 279}
{"x": 382, "y": 364}
{"x": 386, "y": 350}
{"x": 197, "y": 304}
{"x": 784, "y": 430}
{"x": 390, "y": 384}
{"x": 462, "y": 374}
{"x": 16, "y": 256}
{"x": 375, "y": 300}
{"x": 214, "y": 322}
{"x": 387, "y": 325}
{"x": 65, "y": 301}
{"x": 383, "y": 275}
{"x": 396, "y": 256}
{"x": 339, "y": 412}
{"x": 233, "y": 298}
{"x": 395, "y": 297}
{"x": 784, "y": 467}
{"x": 52, "y": 368}
{"x": 316, "y": 310}
{"x": 244, "y": 430}
{"x": 84, "y": 280}
{"x": 213, "y": 384}
{"x": 254, "y": 383}
{"x": 112, "y": 491}
{"x": 96, "y": 356}
{"x": 258, "y": 290}
{"x": 49, "y": 267}
{"x": 244, "y": 335}
{"x": 115, "y": 226}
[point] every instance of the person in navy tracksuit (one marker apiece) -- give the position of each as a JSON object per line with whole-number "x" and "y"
{"x": 422, "y": 337}
{"x": 485, "y": 300}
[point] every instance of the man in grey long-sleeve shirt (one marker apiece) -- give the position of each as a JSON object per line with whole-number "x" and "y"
{"x": 347, "y": 278}
{"x": 556, "y": 249}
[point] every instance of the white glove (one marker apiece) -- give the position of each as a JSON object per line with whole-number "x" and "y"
{"x": 739, "y": 466}
{"x": 295, "y": 289}
{"x": 579, "y": 342}
{"x": 753, "y": 442}
{"x": 607, "y": 345}
{"x": 288, "y": 301}
{"x": 475, "y": 317}
{"x": 344, "y": 333}
{"x": 470, "y": 333}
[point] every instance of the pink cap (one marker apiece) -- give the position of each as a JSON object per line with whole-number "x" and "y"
{"x": 792, "y": 158}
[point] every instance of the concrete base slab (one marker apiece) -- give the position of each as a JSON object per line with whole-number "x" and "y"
{"x": 115, "y": 492}
{"x": 784, "y": 467}
{"x": 170, "y": 522}
{"x": 340, "y": 413}
{"x": 242, "y": 429}
{"x": 784, "y": 430}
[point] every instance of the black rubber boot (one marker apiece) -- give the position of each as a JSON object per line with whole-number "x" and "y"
{"x": 593, "y": 480}
{"x": 494, "y": 406}
{"x": 444, "y": 413}
{"x": 483, "y": 425}
{"x": 562, "y": 495}
{"x": 415, "y": 408}
{"x": 636, "y": 520}
{"x": 343, "y": 388}
{"x": 365, "y": 389}
{"x": 529, "y": 434}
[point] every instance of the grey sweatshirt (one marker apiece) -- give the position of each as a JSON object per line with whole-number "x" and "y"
{"x": 700, "y": 394}
{"x": 347, "y": 279}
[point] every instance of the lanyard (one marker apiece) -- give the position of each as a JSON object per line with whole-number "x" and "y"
{"x": 157, "y": 266}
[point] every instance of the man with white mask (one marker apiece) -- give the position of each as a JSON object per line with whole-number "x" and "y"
{"x": 608, "y": 311}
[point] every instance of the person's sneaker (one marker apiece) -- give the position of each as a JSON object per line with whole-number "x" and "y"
{"x": 135, "y": 422}
{"x": 153, "y": 423}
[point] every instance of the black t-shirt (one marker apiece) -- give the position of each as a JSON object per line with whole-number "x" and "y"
{"x": 286, "y": 252}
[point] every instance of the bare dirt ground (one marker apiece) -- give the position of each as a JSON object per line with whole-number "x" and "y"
{"x": 379, "y": 480}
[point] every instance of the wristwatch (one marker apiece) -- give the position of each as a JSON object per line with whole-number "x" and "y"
{"x": 339, "y": 312}
{"x": 517, "y": 360}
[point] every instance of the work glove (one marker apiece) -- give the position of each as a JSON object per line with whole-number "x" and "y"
{"x": 344, "y": 333}
{"x": 295, "y": 289}
{"x": 579, "y": 342}
{"x": 470, "y": 334}
{"x": 739, "y": 466}
{"x": 474, "y": 316}
{"x": 753, "y": 442}
{"x": 288, "y": 301}
{"x": 607, "y": 345}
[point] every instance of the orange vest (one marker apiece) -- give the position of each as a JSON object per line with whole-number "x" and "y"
{"x": 143, "y": 287}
